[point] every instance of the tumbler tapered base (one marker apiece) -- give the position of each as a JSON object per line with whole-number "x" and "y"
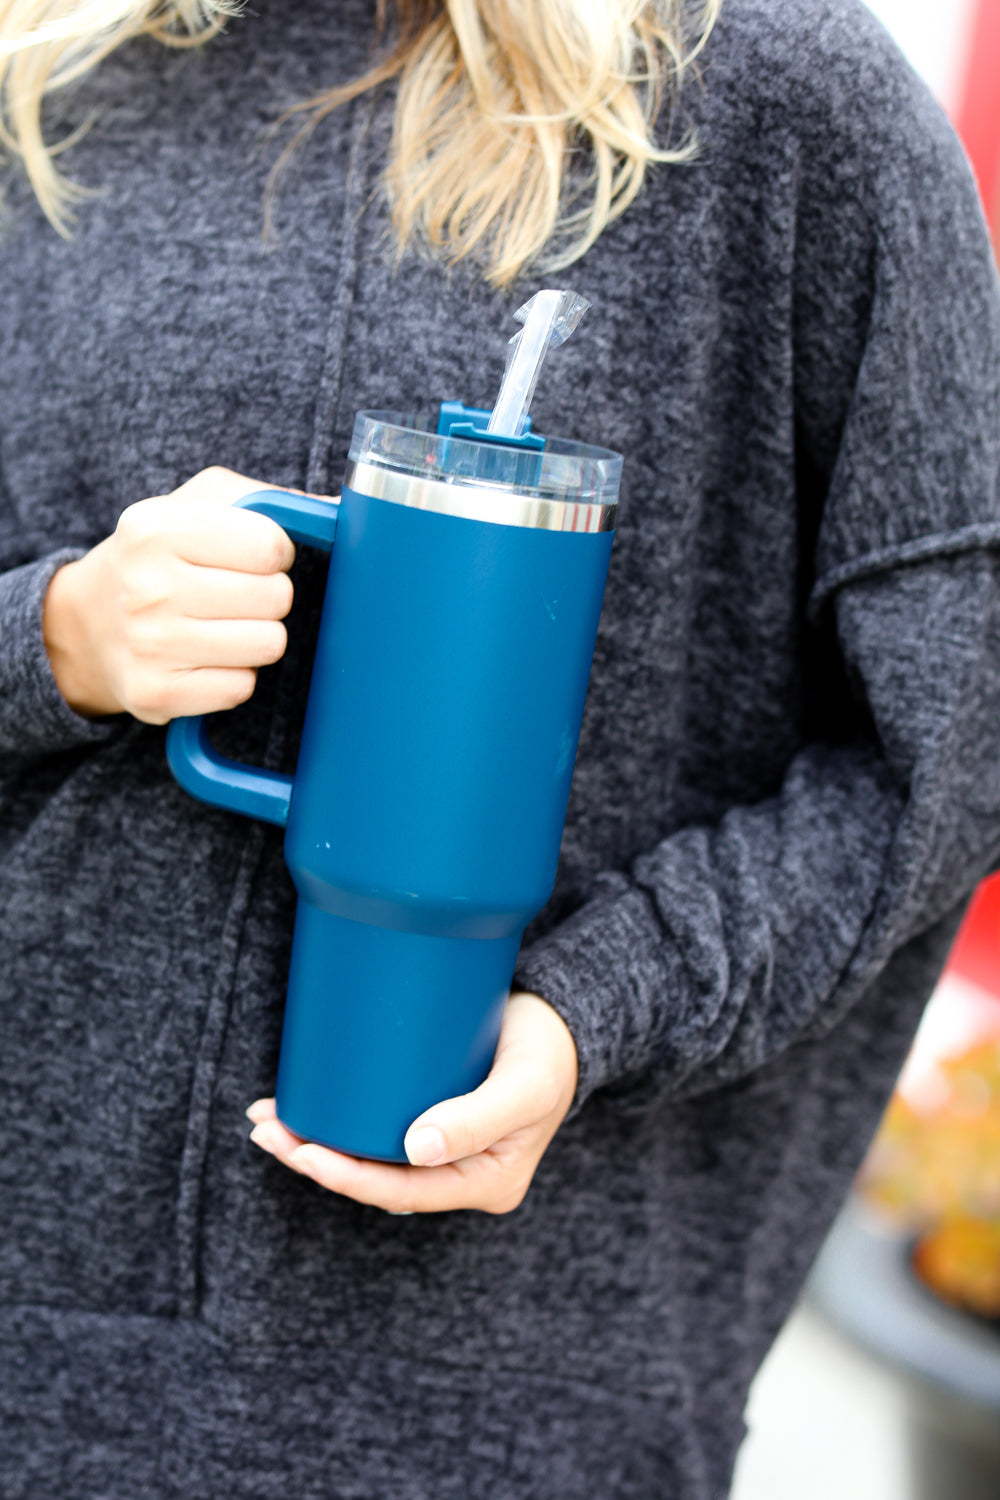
{"x": 381, "y": 1024}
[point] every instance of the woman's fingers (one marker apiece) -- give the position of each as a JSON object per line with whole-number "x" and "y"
{"x": 510, "y": 1099}
{"x": 217, "y": 485}
{"x": 262, "y": 1109}
{"x": 203, "y": 593}
{"x": 206, "y": 690}
{"x": 533, "y": 1076}
{"x": 184, "y": 645}
{"x": 240, "y": 539}
{"x": 209, "y": 535}
{"x": 396, "y": 1189}
{"x": 479, "y": 1150}
{"x": 183, "y": 599}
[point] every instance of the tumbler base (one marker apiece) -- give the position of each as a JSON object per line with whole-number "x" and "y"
{"x": 381, "y": 1024}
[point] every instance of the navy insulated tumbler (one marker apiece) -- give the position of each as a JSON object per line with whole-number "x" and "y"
{"x": 426, "y": 811}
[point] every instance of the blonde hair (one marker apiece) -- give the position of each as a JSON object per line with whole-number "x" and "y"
{"x": 522, "y": 127}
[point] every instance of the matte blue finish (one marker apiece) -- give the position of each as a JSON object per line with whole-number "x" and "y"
{"x": 210, "y": 777}
{"x": 428, "y": 802}
{"x": 427, "y": 1009}
{"x": 302, "y": 517}
{"x": 435, "y": 764}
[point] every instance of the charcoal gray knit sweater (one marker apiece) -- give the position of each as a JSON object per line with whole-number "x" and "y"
{"x": 788, "y": 778}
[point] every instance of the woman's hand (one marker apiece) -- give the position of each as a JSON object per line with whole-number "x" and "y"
{"x": 174, "y": 612}
{"x": 476, "y": 1151}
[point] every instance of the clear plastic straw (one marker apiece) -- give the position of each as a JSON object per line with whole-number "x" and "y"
{"x": 549, "y": 318}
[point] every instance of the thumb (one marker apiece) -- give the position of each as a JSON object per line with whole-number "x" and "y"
{"x": 512, "y": 1097}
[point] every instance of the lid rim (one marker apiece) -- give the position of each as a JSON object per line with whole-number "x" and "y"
{"x": 418, "y": 425}
{"x": 497, "y": 504}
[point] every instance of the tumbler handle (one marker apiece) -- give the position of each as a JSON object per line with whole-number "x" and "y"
{"x": 206, "y": 775}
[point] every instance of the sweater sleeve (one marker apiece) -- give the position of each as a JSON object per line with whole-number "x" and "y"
{"x": 725, "y": 944}
{"x": 35, "y": 719}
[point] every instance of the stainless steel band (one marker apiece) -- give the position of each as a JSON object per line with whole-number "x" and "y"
{"x": 477, "y": 502}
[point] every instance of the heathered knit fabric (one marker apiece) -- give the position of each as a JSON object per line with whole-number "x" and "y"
{"x": 788, "y": 779}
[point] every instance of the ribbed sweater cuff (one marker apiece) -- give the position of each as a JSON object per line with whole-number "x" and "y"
{"x": 35, "y": 718}
{"x": 583, "y": 969}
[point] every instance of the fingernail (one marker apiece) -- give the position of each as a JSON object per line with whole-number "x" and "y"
{"x": 262, "y": 1136}
{"x": 306, "y": 1159}
{"x": 425, "y": 1146}
{"x": 255, "y": 1110}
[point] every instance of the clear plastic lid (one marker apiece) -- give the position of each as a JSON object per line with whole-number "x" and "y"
{"x": 564, "y": 471}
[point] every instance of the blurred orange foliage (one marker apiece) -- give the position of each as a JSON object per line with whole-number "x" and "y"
{"x": 935, "y": 1170}
{"x": 960, "y": 1260}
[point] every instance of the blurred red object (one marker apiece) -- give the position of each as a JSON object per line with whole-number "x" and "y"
{"x": 975, "y": 955}
{"x": 978, "y": 114}
{"x": 976, "y": 952}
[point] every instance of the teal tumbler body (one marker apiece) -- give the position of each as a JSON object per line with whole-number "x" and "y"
{"x": 426, "y": 811}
